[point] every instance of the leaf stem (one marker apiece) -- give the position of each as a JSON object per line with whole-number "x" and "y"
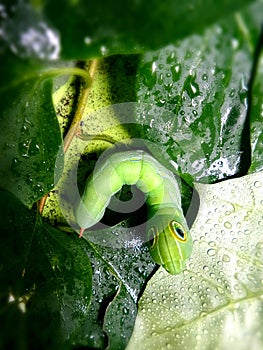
{"x": 68, "y": 71}
{"x": 88, "y": 77}
{"x": 74, "y": 127}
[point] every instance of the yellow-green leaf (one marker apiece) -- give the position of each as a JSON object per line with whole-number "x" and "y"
{"x": 217, "y": 303}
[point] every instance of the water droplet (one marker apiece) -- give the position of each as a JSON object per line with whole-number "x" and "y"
{"x": 191, "y": 87}
{"x": 87, "y": 40}
{"x": 160, "y": 102}
{"x": 257, "y": 184}
{"x": 232, "y": 93}
{"x": 234, "y": 43}
{"x": 228, "y": 225}
{"x": 212, "y": 275}
{"x": 176, "y": 72}
{"x": 259, "y": 245}
{"x": 220, "y": 290}
{"x": 203, "y": 314}
{"x": 251, "y": 278}
{"x": 160, "y": 79}
{"x": 103, "y": 50}
{"x": 211, "y": 252}
{"x": 226, "y": 258}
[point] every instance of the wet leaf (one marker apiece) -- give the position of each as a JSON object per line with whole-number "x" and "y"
{"x": 45, "y": 275}
{"x": 29, "y": 131}
{"x": 194, "y": 96}
{"x": 120, "y": 266}
{"x": 256, "y": 120}
{"x": 71, "y": 288}
{"x": 62, "y": 292}
{"x": 219, "y": 295}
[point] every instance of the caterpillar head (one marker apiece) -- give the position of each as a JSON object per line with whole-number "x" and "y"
{"x": 170, "y": 240}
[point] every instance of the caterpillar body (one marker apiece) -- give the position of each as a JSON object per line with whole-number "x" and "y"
{"x": 167, "y": 230}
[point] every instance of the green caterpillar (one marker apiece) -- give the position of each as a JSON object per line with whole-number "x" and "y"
{"x": 167, "y": 230}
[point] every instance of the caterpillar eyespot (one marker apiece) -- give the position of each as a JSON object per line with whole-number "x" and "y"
{"x": 178, "y": 231}
{"x": 167, "y": 230}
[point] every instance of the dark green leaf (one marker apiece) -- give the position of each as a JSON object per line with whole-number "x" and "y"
{"x": 44, "y": 273}
{"x": 194, "y": 97}
{"x": 195, "y": 90}
{"x": 96, "y": 28}
{"x": 120, "y": 267}
{"x": 122, "y": 314}
{"x": 256, "y": 120}
{"x": 29, "y": 131}
{"x": 17, "y": 231}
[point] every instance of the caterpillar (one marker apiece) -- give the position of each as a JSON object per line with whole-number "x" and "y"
{"x": 166, "y": 227}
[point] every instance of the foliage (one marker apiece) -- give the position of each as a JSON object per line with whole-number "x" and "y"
{"x": 184, "y": 78}
{"x": 220, "y": 294}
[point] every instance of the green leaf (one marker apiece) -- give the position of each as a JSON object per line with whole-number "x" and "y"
{"x": 121, "y": 263}
{"x": 48, "y": 289}
{"x": 256, "y": 122}
{"x": 217, "y": 301}
{"x": 194, "y": 95}
{"x": 47, "y": 282}
{"x": 82, "y": 29}
{"x": 119, "y": 320}
{"x": 45, "y": 275}
{"x": 29, "y": 131}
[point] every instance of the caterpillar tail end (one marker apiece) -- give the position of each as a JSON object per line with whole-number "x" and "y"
{"x": 81, "y": 232}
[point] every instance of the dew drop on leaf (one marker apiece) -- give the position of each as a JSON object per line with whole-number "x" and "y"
{"x": 257, "y": 184}
{"x": 212, "y": 244}
{"x": 228, "y": 225}
{"x": 206, "y": 268}
{"x": 259, "y": 245}
{"x": 226, "y": 258}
